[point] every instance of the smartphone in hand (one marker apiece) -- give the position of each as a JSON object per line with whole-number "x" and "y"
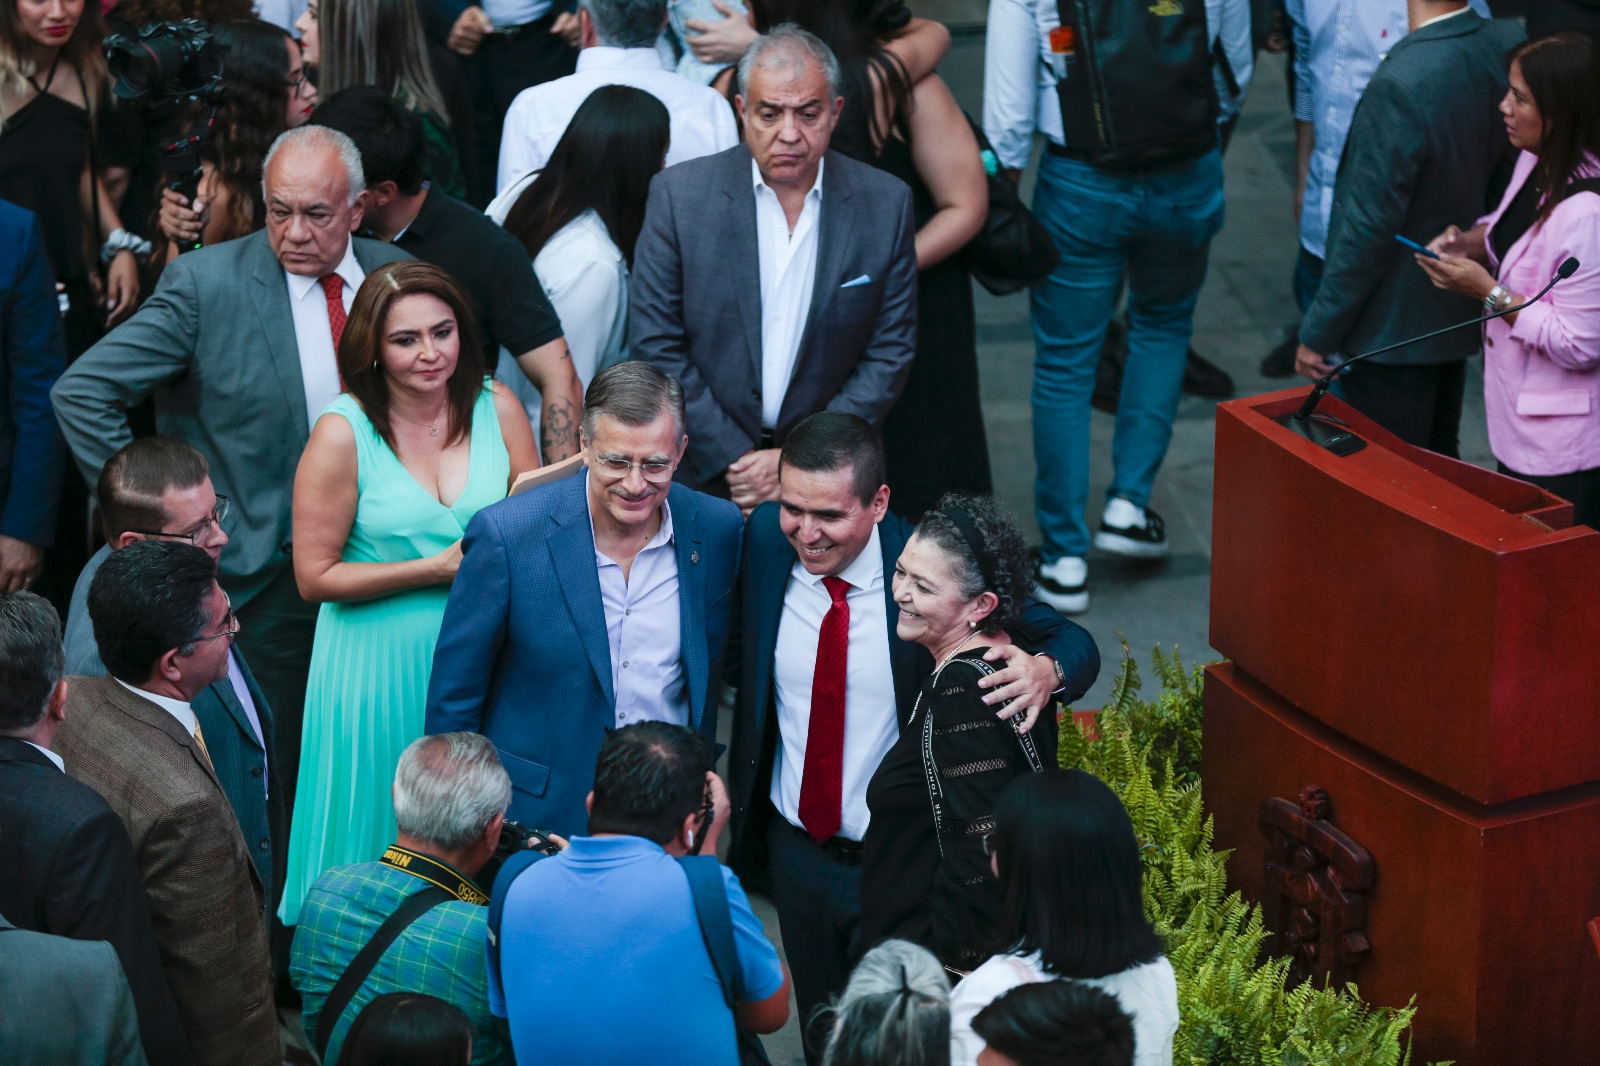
{"x": 1415, "y": 247}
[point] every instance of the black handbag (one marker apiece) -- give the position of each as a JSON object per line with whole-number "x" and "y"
{"x": 1013, "y": 250}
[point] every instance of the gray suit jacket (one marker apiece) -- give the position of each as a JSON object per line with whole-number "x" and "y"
{"x": 695, "y": 301}
{"x": 64, "y": 1002}
{"x": 215, "y": 346}
{"x": 1422, "y": 143}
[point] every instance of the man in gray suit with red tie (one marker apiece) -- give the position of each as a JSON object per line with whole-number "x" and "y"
{"x": 775, "y": 279}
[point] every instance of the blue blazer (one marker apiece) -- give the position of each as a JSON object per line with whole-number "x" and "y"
{"x": 33, "y": 354}
{"x": 523, "y": 656}
{"x": 763, "y": 580}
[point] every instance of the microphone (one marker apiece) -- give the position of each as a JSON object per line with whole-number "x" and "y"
{"x": 1342, "y": 441}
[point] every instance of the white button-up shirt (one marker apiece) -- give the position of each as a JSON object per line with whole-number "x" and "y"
{"x": 313, "y": 333}
{"x": 1020, "y": 72}
{"x": 644, "y": 629}
{"x": 871, "y": 723}
{"x": 241, "y": 689}
{"x": 509, "y": 14}
{"x": 48, "y": 754}
{"x": 702, "y": 121}
{"x": 788, "y": 275}
{"x": 177, "y": 708}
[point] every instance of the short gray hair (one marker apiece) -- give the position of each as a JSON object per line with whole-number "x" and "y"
{"x": 31, "y": 659}
{"x": 634, "y": 393}
{"x": 627, "y": 23}
{"x": 787, "y": 45}
{"x": 448, "y": 788}
{"x": 320, "y": 137}
{"x": 896, "y": 1008}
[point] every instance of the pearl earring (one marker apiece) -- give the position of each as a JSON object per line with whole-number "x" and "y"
{"x": 972, "y": 625}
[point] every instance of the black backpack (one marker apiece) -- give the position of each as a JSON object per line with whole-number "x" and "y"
{"x": 1138, "y": 90}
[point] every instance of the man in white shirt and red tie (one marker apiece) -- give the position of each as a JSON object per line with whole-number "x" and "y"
{"x": 825, "y": 685}
{"x": 236, "y": 346}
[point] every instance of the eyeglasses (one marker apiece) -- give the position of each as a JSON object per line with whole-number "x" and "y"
{"x": 231, "y": 632}
{"x": 218, "y": 513}
{"x": 655, "y": 471}
{"x": 297, "y": 81}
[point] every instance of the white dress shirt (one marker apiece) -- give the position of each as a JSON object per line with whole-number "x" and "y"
{"x": 871, "y": 723}
{"x": 509, "y": 14}
{"x": 1019, "y": 71}
{"x": 788, "y": 274}
{"x": 702, "y": 121}
{"x": 177, "y": 708}
{"x": 644, "y": 629}
{"x": 48, "y": 754}
{"x": 313, "y": 334}
{"x": 241, "y": 689}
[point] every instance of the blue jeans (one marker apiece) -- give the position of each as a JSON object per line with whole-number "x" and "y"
{"x": 1159, "y": 229}
{"x": 1307, "y": 279}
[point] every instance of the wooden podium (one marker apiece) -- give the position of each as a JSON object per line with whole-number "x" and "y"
{"x": 1403, "y": 749}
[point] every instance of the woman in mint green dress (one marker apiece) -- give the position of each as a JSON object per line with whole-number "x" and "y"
{"x": 394, "y": 470}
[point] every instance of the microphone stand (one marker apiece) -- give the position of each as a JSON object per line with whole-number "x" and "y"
{"x": 1328, "y": 432}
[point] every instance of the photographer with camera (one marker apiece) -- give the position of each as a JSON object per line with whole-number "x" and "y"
{"x": 450, "y": 798}
{"x": 263, "y": 91}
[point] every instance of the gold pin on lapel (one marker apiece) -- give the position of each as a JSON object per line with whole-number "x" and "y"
{"x": 694, "y": 558}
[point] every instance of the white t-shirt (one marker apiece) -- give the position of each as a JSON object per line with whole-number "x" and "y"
{"x": 1148, "y": 993}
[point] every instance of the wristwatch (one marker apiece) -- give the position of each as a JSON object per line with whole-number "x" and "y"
{"x": 1498, "y": 298}
{"x": 1061, "y": 675}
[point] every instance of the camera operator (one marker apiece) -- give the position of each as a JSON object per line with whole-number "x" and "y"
{"x": 265, "y": 91}
{"x": 450, "y": 799}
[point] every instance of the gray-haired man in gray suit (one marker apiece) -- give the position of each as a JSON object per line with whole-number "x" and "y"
{"x": 775, "y": 279}
{"x": 237, "y": 347}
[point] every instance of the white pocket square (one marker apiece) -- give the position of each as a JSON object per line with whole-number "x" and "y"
{"x": 862, "y": 280}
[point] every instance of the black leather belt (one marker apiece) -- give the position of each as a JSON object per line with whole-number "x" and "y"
{"x": 768, "y": 440}
{"x": 840, "y": 849}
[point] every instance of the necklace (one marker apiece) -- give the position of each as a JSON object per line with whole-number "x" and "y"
{"x": 433, "y": 430}
{"x": 946, "y": 660}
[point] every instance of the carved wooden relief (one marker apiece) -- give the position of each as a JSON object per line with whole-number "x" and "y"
{"x": 1314, "y": 897}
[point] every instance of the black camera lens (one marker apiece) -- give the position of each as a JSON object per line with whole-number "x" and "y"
{"x": 165, "y": 61}
{"x": 141, "y": 65}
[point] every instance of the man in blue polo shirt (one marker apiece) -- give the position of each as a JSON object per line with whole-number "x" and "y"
{"x": 601, "y": 955}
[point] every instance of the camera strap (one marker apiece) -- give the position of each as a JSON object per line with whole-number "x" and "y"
{"x": 435, "y": 873}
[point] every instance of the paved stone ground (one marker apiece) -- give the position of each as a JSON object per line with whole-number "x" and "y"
{"x": 1244, "y": 309}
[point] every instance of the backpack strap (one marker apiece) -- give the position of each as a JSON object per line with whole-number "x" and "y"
{"x": 716, "y": 922}
{"x": 509, "y": 872}
{"x": 413, "y": 907}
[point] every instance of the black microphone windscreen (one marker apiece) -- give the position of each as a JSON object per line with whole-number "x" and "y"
{"x": 1567, "y": 269}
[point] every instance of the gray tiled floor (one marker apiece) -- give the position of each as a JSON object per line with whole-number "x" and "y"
{"x": 1244, "y": 309}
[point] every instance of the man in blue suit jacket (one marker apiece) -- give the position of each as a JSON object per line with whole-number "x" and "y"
{"x": 33, "y": 354}
{"x": 590, "y": 603}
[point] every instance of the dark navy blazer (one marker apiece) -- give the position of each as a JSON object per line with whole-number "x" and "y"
{"x": 33, "y": 354}
{"x": 523, "y": 656}
{"x": 768, "y": 561}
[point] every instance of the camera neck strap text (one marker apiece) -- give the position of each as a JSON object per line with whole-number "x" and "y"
{"x": 435, "y": 873}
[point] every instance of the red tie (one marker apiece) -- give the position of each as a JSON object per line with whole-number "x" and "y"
{"x": 821, "y": 784}
{"x": 333, "y": 288}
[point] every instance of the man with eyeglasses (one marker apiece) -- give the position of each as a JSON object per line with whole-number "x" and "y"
{"x": 159, "y": 488}
{"x": 164, "y": 628}
{"x": 590, "y": 603}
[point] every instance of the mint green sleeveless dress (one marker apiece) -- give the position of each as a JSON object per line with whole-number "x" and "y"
{"x": 371, "y": 660}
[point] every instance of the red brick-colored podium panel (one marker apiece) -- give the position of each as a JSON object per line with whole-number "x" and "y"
{"x": 1480, "y": 911}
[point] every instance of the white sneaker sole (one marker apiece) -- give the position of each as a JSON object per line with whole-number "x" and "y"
{"x": 1065, "y": 602}
{"x": 1117, "y": 544}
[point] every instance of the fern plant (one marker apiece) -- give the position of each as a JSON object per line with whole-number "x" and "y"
{"x": 1236, "y": 1009}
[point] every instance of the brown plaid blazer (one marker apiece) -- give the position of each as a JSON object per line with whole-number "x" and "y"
{"x": 206, "y": 902}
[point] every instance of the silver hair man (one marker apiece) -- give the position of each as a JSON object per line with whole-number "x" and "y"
{"x": 634, "y": 393}
{"x": 789, "y": 46}
{"x": 448, "y": 788}
{"x": 320, "y": 137}
{"x": 626, "y": 23}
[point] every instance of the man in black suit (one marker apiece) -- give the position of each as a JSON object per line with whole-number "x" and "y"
{"x": 67, "y": 861}
{"x": 1423, "y": 142}
{"x": 830, "y": 540}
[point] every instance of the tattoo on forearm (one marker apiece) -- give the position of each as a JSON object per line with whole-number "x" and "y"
{"x": 558, "y": 431}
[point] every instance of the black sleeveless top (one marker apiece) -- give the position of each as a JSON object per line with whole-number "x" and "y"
{"x": 43, "y": 149}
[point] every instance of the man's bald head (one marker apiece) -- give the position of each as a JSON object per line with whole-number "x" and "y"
{"x": 312, "y": 184}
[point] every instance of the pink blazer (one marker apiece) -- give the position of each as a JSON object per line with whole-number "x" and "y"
{"x": 1541, "y": 377}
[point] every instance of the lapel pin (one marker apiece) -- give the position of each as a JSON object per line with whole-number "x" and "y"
{"x": 694, "y": 558}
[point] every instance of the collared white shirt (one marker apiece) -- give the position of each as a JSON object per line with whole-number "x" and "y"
{"x": 871, "y": 723}
{"x": 509, "y": 14}
{"x": 788, "y": 275}
{"x": 701, "y": 120}
{"x": 177, "y": 708}
{"x": 1338, "y": 46}
{"x": 1020, "y": 72}
{"x": 644, "y": 628}
{"x": 241, "y": 689}
{"x": 313, "y": 334}
{"x": 48, "y": 754}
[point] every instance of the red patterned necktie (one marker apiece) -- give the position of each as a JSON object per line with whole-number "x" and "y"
{"x": 333, "y": 289}
{"x": 821, "y": 784}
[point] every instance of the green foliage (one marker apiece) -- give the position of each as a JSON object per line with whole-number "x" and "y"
{"x": 1236, "y": 1009}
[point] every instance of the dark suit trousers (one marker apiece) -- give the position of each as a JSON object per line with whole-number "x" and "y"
{"x": 275, "y": 631}
{"x": 1419, "y": 404}
{"x": 819, "y": 912}
{"x": 500, "y": 69}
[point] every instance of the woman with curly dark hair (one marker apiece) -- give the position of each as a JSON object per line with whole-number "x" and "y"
{"x": 961, "y": 584}
{"x": 267, "y": 93}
